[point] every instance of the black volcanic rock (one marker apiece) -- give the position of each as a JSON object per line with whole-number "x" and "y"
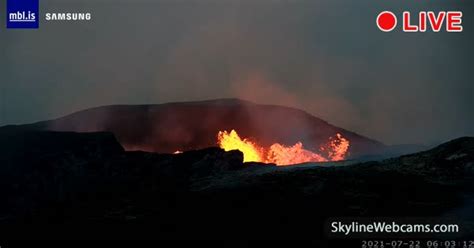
{"x": 86, "y": 178}
{"x": 194, "y": 125}
{"x": 455, "y": 156}
{"x": 28, "y": 144}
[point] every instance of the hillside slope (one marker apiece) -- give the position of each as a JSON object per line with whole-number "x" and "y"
{"x": 194, "y": 125}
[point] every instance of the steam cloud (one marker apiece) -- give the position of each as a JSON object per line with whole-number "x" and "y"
{"x": 394, "y": 87}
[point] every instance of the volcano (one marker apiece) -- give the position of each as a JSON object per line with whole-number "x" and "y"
{"x": 171, "y": 127}
{"x": 63, "y": 181}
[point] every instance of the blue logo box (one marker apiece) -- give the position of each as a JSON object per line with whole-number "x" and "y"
{"x": 22, "y": 13}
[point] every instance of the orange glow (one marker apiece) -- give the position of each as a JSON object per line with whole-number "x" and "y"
{"x": 338, "y": 148}
{"x": 279, "y": 154}
{"x": 296, "y": 154}
{"x": 232, "y": 141}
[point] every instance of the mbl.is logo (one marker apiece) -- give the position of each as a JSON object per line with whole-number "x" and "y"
{"x": 22, "y": 13}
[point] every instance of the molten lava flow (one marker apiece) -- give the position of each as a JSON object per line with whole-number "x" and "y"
{"x": 338, "y": 148}
{"x": 232, "y": 141}
{"x": 280, "y": 154}
{"x": 296, "y": 154}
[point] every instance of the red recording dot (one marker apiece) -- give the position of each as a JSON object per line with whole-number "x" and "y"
{"x": 386, "y": 21}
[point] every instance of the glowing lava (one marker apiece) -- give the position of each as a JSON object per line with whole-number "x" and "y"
{"x": 279, "y": 154}
{"x": 338, "y": 148}
{"x": 232, "y": 141}
{"x": 296, "y": 154}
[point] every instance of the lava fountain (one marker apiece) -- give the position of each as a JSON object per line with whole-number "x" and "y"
{"x": 336, "y": 150}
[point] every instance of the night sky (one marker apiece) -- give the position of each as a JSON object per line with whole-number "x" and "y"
{"x": 324, "y": 56}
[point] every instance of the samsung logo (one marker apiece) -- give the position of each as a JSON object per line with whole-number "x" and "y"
{"x": 68, "y": 16}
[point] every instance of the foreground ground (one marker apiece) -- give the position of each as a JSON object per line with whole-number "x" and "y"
{"x": 49, "y": 180}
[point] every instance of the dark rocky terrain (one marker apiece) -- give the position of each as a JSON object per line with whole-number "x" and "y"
{"x": 194, "y": 125}
{"x": 87, "y": 183}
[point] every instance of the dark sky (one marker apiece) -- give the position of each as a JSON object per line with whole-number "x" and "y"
{"x": 324, "y": 56}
